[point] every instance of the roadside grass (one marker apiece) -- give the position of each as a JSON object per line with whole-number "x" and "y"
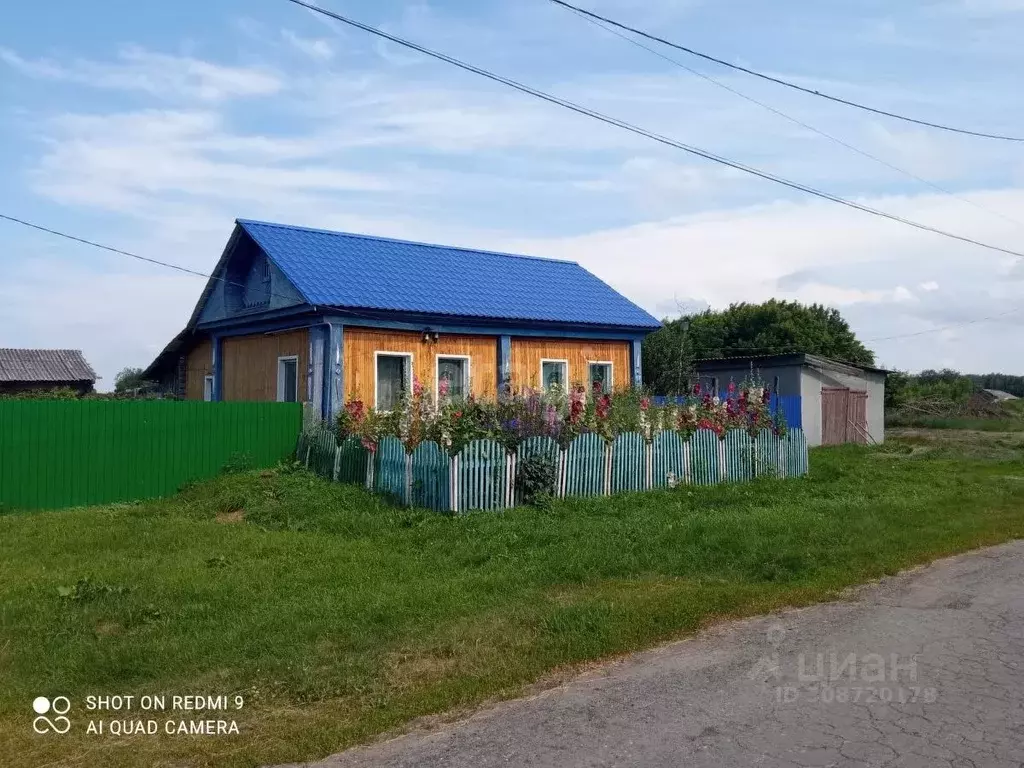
{"x": 338, "y": 617}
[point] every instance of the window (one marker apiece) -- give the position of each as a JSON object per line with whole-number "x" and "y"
{"x": 394, "y": 377}
{"x": 554, "y": 373}
{"x": 287, "y": 379}
{"x": 208, "y": 388}
{"x": 454, "y": 371}
{"x": 600, "y": 379}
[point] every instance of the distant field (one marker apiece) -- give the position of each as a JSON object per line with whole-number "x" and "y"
{"x": 339, "y": 618}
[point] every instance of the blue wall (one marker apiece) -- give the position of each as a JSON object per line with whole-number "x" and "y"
{"x": 789, "y": 405}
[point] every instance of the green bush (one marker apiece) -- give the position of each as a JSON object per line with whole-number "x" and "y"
{"x": 535, "y": 479}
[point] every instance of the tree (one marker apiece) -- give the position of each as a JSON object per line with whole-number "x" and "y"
{"x": 129, "y": 380}
{"x": 744, "y": 330}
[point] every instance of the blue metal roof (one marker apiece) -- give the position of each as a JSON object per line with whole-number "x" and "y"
{"x": 335, "y": 269}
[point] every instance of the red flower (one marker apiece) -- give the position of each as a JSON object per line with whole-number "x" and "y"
{"x": 645, "y": 403}
{"x": 696, "y": 388}
{"x": 457, "y": 415}
{"x": 732, "y": 387}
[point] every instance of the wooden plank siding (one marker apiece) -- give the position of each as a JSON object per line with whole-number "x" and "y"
{"x": 198, "y": 365}
{"x": 527, "y": 354}
{"x": 361, "y": 343}
{"x": 250, "y": 364}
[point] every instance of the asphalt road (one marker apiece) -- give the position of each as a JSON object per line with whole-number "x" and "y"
{"x": 923, "y": 669}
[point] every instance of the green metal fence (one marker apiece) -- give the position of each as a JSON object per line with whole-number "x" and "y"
{"x": 483, "y": 475}
{"x": 64, "y": 453}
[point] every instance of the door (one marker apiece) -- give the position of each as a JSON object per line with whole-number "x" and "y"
{"x": 844, "y": 416}
{"x": 857, "y": 417}
{"x": 834, "y": 407}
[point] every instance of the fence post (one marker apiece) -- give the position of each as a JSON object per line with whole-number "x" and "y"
{"x": 408, "y": 479}
{"x": 337, "y": 460}
{"x": 721, "y": 460}
{"x": 649, "y": 456}
{"x": 561, "y": 472}
{"x": 687, "y": 472}
{"x": 780, "y": 455}
{"x": 510, "y": 479}
{"x": 370, "y": 455}
{"x": 453, "y": 479}
{"x": 608, "y": 448}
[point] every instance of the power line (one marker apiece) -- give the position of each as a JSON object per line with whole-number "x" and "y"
{"x": 790, "y": 118}
{"x": 651, "y": 135}
{"x": 129, "y": 254}
{"x": 786, "y": 348}
{"x": 787, "y": 83}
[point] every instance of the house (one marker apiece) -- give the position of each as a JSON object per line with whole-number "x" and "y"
{"x": 39, "y": 370}
{"x": 297, "y": 314}
{"x": 840, "y": 402}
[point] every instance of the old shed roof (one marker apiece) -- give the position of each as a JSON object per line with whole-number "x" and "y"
{"x": 49, "y": 365}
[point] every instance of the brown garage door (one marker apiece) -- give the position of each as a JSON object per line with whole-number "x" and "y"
{"x": 844, "y": 416}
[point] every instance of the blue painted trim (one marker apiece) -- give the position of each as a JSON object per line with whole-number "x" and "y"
{"x": 504, "y": 359}
{"x": 247, "y": 320}
{"x": 280, "y": 325}
{"x": 491, "y": 330}
{"x": 217, "y": 368}
{"x": 636, "y": 363}
{"x": 334, "y": 370}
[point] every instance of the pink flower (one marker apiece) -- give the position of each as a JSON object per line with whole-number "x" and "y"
{"x": 417, "y": 387}
{"x": 443, "y": 387}
{"x": 696, "y": 388}
{"x": 645, "y": 403}
{"x": 732, "y": 387}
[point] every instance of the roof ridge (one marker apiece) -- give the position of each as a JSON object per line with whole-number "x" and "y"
{"x": 41, "y": 349}
{"x": 381, "y": 238}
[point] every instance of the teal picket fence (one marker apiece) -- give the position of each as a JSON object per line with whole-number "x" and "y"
{"x": 669, "y": 459}
{"x": 739, "y": 464}
{"x": 351, "y": 462}
{"x": 795, "y": 449}
{"x": 704, "y": 468}
{"x": 389, "y": 468}
{"x": 584, "y": 466}
{"x": 629, "y": 463}
{"x": 431, "y": 477}
{"x": 482, "y": 468}
{"x": 482, "y": 476}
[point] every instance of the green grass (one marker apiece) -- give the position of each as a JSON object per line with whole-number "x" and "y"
{"x": 339, "y": 618}
{"x": 981, "y": 425}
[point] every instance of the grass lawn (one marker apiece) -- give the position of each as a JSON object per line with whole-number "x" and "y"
{"x": 338, "y": 618}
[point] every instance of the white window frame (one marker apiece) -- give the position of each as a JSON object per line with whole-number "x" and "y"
{"x": 208, "y": 387}
{"x": 280, "y": 377}
{"x": 437, "y": 372}
{"x": 409, "y": 377}
{"x": 611, "y": 375}
{"x": 540, "y": 373}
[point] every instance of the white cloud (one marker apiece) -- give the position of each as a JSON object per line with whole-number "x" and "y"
{"x": 929, "y": 286}
{"x": 153, "y": 73}
{"x": 314, "y": 47}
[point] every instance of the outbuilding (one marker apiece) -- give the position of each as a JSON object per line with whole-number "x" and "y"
{"x": 839, "y": 402}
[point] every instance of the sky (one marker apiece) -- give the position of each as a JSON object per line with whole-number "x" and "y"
{"x": 150, "y": 127}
